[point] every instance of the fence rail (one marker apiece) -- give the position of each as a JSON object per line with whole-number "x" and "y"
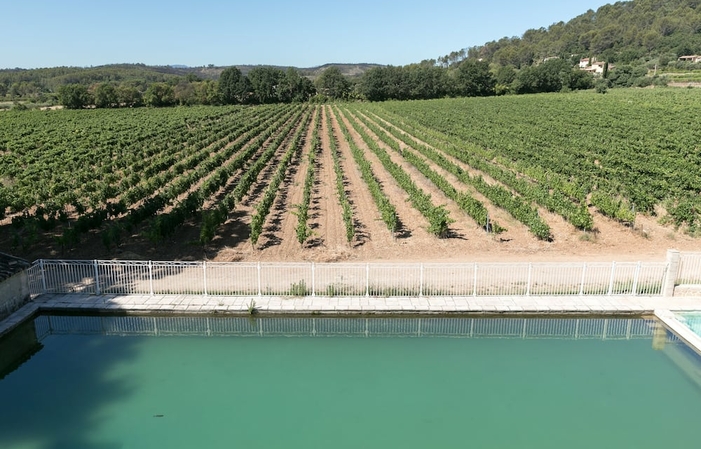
{"x": 346, "y": 279}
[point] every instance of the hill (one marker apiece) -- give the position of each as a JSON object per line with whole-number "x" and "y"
{"x": 631, "y": 32}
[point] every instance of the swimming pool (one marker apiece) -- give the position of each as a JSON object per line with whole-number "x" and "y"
{"x": 185, "y": 382}
{"x": 692, "y": 320}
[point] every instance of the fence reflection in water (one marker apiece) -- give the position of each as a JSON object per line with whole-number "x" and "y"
{"x": 465, "y": 327}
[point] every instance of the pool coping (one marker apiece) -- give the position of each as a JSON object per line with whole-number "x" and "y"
{"x": 572, "y": 305}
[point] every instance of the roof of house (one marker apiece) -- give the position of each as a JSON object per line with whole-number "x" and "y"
{"x": 11, "y": 265}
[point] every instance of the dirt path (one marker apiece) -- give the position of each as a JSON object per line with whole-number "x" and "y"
{"x": 371, "y": 232}
{"x": 413, "y": 224}
{"x": 326, "y": 216}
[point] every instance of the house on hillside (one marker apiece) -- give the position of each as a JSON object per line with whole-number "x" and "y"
{"x": 584, "y": 63}
{"x": 596, "y": 68}
{"x": 690, "y": 58}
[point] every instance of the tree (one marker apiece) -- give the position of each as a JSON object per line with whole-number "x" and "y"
{"x": 264, "y": 84}
{"x": 184, "y": 93}
{"x": 294, "y": 88}
{"x": 474, "y": 79}
{"x": 504, "y": 79}
{"x": 207, "y": 92}
{"x": 106, "y": 96}
{"x": 128, "y": 96}
{"x": 159, "y": 94}
{"x": 374, "y": 84}
{"x": 74, "y": 96}
{"x": 233, "y": 86}
{"x": 333, "y": 84}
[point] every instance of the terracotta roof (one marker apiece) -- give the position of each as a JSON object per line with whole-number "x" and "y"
{"x": 10, "y": 265}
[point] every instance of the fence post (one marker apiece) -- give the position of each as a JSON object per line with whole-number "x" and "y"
{"x": 260, "y": 291}
{"x": 204, "y": 274}
{"x": 367, "y": 279}
{"x": 635, "y": 279}
{"x": 313, "y": 280}
{"x": 530, "y": 275}
{"x": 97, "y": 278}
{"x": 584, "y": 275}
{"x": 43, "y": 275}
{"x": 613, "y": 273}
{"x": 474, "y": 281}
{"x": 670, "y": 276}
{"x": 421, "y": 280}
{"x": 150, "y": 277}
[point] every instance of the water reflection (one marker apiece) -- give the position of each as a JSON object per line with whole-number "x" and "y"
{"x": 556, "y": 328}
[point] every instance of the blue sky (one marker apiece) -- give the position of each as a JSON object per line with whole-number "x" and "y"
{"x": 43, "y": 33}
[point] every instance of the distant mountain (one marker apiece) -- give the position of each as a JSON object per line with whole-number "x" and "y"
{"x": 625, "y": 32}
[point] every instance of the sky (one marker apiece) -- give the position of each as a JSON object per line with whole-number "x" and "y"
{"x": 303, "y": 33}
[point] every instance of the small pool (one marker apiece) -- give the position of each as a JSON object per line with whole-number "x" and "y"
{"x": 692, "y": 321}
{"x": 220, "y": 382}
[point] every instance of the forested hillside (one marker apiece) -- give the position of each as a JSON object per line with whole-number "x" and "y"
{"x": 624, "y": 33}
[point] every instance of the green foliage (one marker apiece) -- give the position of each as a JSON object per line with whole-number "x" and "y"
{"x": 263, "y": 207}
{"x": 252, "y": 309}
{"x": 624, "y": 32}
{"x": 264, "y": 82}
{"x": 601, "y": 86}
{"x": 629, "y": 145}
{"x": 411, "y": 82}
{"x": 303, "y": 230}
{"x": 474, "y": 79}
{"x": 74, "y": 96}
{"x": 613, "y": 207}
{"x": 106, "y": 96}
{"x": 299, "y": 289}
{"x": 294, "y": 88}
{"x": 469, "y": 205}
{"x": 340, "y": 181}
{"x": 686, "y": 211}
{"x": 333, "y": 84}
{"x": 233, "y": 86}
{"x": 438, "y": 218}
{"x": 159, "y": 95}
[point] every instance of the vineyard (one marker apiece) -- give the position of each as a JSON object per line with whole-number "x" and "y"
{"x": 485, "y": 178}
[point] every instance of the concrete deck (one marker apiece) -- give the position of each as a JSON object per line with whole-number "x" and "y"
{"x": 306, "y": 305}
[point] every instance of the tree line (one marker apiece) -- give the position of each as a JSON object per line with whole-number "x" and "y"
{"x": 265, "y": 85}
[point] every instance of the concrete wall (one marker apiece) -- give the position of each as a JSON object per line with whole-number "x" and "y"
{"x": 14, "y": 293}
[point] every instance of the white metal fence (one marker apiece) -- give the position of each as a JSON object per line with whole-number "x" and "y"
{"x": 346, "y": 279}
{"x": 689, "y": 269}
{"x": 540, "y": 328}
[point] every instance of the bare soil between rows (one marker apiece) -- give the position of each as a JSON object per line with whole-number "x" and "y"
{"x": 611, "y": 241}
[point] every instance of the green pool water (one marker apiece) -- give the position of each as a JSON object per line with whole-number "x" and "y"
{"x": 121, "y": 382}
